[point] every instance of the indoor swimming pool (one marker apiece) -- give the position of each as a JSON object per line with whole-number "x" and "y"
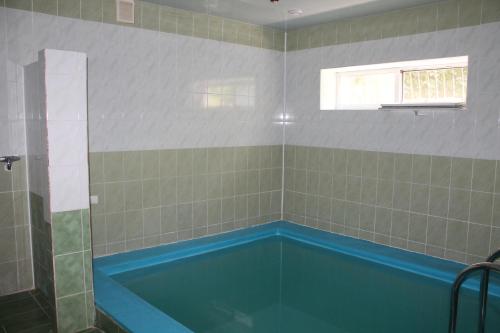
{"x": 285, "y": 278}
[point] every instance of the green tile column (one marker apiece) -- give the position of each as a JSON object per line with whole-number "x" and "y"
{"x": 73, "y": 270}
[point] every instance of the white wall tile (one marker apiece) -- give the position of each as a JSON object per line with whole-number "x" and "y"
{"x": 36, "y": 134}
{"x": 65, "y": 63}
{"x": 66, "y": 96}
{"x": 67, "y": 142}
{"x": 144, "y": 87}
{"x": 68, "y": 188}
{"x": 66, "y": 125}
{"x": 471, "y": 133}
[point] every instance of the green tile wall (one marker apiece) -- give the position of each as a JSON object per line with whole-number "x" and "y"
{"x": 41, "y": 235}
{"x": 15, "y": 245}
{"x": 427, "y": 18}
{"x": 441, "y": 206}
{"x": 147, "y": 198}
{"x": 63, "y": 265}
{"x": 156, "y": 17}
{"x": 73, "y": 270}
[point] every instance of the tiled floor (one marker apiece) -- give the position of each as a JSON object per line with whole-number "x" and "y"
{"x": 26, "y": 313}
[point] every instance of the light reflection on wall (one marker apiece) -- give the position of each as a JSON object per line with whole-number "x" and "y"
{"x": 284, "y": 119}
{"x": 230, "y": 93}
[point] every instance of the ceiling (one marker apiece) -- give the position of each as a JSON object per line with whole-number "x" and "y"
{"x": 263, "y": 12}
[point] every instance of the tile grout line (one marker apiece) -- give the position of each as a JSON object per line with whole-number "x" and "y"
{"x": 493, "y": 207}
{"x": 83, "y": 266}
{"x": 470, "y": 208}
{"x": 71, "y": 295}
{"x": 11, "y": 179}
{"x": 393, "y": 194}
{"x": 376, "y": 192}
{"x": 448, "y": 209}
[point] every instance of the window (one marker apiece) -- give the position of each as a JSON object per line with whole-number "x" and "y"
{"x": 445, "y": 85}
{"x": 434, "y": 83}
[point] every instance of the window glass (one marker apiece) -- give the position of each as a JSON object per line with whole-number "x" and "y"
{"x": 444, "y": 85}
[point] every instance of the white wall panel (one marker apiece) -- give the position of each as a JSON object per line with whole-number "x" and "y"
{"x": 473, "y": 133}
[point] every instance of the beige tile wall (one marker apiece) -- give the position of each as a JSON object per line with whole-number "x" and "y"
{"x": 147, "y": 198}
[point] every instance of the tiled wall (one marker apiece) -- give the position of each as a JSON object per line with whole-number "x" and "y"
{"x": 219, "y": 91}
{"x": 151, "y": 16}
{"x": 168, "y": 91}
{"x": 15, "y": 244}
{"x": 59, "y": 187}
{"x": 73, "y": 270}
{"x": 442, "y": 15}
{"x": 474, "y": 133}
{"x": 65, "y": 97}
{"x": 15, "y": 240}
{"x": 62, "y": 258}
{"x": 12, "y": 116}
{"x": 38, "y": 182}
{"x": 41, "y": 234}
{"x": 441, "y": 206}
{"x": 468, "y": 139}
{"x": 152, "y": 197}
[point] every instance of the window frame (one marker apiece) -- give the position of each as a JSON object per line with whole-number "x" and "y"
{"x": 331, "y": 79}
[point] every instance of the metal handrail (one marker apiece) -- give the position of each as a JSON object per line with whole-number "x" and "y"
{"x": 494, "y": 256}
{"x": 483, "y": 292}
{"x": 483, "y": 266}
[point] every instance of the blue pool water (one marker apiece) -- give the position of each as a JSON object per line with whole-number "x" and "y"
{"x": 280, "y": 283}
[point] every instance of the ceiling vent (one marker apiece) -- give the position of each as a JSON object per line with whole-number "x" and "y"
{"x": 125, "y": 11}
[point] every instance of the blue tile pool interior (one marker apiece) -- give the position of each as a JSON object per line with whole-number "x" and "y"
{"x": 282, "y": 277}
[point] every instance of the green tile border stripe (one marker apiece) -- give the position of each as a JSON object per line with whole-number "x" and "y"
{"x": 160, "y": 18}
{"x": 426, "y": 18}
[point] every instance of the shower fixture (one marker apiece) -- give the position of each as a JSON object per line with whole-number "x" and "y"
{"x": 8, "y": 160}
